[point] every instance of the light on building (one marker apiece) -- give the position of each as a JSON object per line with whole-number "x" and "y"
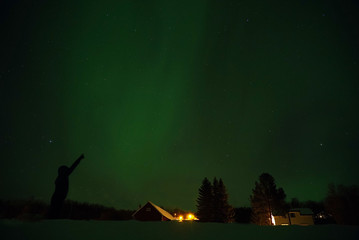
{"x": 273, "y": 219}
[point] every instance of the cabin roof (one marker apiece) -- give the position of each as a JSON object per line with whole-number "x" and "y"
{"x": 160, "y": 210}
{"x": 303, "y": 211}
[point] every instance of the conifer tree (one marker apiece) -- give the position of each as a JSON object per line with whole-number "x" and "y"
{"x": 216, "y": 201}
{"x": 205, "y": 202}
{"x": 224, "y": 212}
{"x": 266, "y": 199}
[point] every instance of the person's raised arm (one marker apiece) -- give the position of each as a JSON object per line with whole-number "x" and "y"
{"x": 74, "y": 165}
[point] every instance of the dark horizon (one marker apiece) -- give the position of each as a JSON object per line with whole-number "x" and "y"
{"x": 159, "y": 95}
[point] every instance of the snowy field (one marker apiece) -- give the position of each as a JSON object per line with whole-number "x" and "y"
{"x": 67, "y": 229}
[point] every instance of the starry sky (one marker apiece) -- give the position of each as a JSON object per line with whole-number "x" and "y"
{"x": 160, "y": 94}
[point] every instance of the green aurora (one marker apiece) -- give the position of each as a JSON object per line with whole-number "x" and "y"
{"x": 160, "y": 94}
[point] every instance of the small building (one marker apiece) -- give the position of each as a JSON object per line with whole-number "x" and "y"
{"x": 152, "y": 212}
{"x": 300, "y": 216}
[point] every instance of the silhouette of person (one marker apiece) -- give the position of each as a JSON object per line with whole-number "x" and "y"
{"x": 61, "y": 188}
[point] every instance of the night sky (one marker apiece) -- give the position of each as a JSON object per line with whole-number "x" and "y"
{"x": 160, "y": 94}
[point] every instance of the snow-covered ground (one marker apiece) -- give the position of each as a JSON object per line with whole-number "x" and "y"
{"x": 67, "y": 229}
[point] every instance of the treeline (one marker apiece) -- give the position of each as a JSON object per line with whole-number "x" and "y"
{"x": 176, "y": 211}
{"x": 340, "y": 205}
{"x": 342, "y": 202}
{"x": 33, "y": 210}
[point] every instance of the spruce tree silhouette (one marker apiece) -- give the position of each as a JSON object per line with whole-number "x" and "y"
{"x": 61, "y": 189}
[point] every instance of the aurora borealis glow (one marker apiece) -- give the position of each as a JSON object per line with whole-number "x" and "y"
{"x": 160, "y": 94}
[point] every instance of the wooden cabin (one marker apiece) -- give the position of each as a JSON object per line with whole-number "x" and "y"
{"x": 152, "y": 212}
{"x": 300, "y": 216}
